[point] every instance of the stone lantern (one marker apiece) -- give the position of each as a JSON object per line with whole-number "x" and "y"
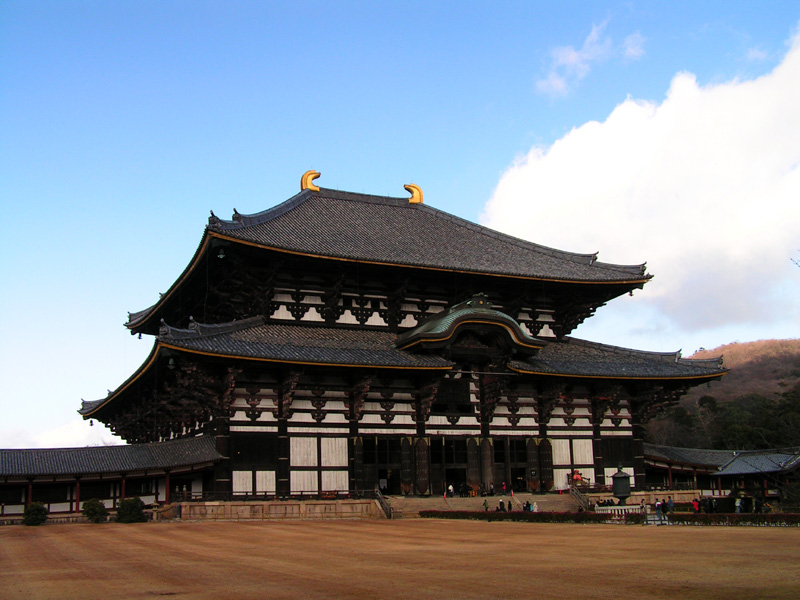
{"x": 621, "y": 486}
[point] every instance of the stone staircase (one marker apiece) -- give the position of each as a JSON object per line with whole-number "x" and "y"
{"x": 408, "y": 507}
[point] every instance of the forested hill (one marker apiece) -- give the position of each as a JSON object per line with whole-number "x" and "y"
{"x": 767, "y": 368}
{"x": 756, "y": 405}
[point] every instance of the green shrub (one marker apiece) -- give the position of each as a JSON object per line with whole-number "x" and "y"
{"x": 531, "y": 517}
{"x": 131, "y": 510}
{"x": 95, "y": 510}
{"x": 34, "y": 514}
{"x": 751, "y": 519}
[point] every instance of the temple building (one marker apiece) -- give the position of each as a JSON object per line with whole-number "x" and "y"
{"x": 340, "y": 342}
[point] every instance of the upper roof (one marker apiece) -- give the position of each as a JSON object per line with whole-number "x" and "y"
{"x": 109, "y": 459}
{"x": 386, "y": 230}
{"x": 572, "y": 357}
{"x": 382, "y": 230}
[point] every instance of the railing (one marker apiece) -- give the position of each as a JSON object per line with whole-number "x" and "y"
{"x": 269, "y": 496}
{"x": 618, "y": 510}
{"x": 384, "y": 504}
{"x": 580, "y": 497}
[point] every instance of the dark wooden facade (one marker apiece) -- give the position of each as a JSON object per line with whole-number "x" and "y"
{"x": 323, "y": 356}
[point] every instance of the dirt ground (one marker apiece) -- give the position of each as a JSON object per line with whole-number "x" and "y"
{"x": 397, "y": 559}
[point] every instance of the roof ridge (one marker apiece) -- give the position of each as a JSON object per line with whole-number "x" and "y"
{"x": 674, "y": 356}
{"x": 241, "y": 221}
{"x": 196, "y": 329}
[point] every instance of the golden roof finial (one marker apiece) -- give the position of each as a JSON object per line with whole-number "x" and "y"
{"x": 307, "y": 179}
{"x": 416, "y": 193}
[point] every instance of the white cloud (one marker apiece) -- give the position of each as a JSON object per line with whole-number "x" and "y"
{"x": 76, "y": 433}
{"x": 633, "y": 46}
{"x": 756, "y": 54}
{"x": 705, "y": 186}
{"x": 570, "y": 65}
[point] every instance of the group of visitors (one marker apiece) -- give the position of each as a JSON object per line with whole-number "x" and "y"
{"x": 484, "y": 491}
{"x": 607, "y": 502}
{"x": 502, "y": 506}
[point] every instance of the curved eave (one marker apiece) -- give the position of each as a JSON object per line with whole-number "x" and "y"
{"x": 636, "y": 281}
{"x": 451, "y": 331}
{"x": 159, "y": 346}
{"x": 198, "y": 255}
{"x": 709, "y": 377}
{"x": 135, "y": 325}
{"x": 145, "y": 366}
{"x": 305, "y": 362}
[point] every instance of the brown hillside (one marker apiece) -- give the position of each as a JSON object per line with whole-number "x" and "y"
{"x": 765, "y": 367}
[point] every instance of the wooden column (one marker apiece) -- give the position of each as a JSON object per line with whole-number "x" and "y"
{"x": 166, "y": 487}
{"x": 282, "y": 483}
{"x": 487, "y": 462}
{"x": 77, "y": 493}
{"x": 422, "y": 466}
{"x": 640, "y": 480}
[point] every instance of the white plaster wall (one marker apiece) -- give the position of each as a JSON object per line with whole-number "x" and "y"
{"x": 334, "y": 452}
{"x": 347, "y": 318}
{"x": 371, "y": 420}
{"x": 299, "y": 417}
{"x": 560, "y": 451}
{"x": 582, "y": 451}
{"x": 335, "y": 481}
{"x": 408, "y": 321}
{"x": 303, "y": 452}
{"x": 265, "y": 482}
{"x": 617, "y": 432}
{"x": 376, "y": 320}
{"x": 303, "y": 481}
{"x": 560, "y": 478}
{"x": 313, "y": 316}
{"x": 475, "y": 431}
{"x": 282, "y": 313}
{"x": 253, "y": 429}
{"x": 341, "y": 430}
{"x": 242, "y": 482}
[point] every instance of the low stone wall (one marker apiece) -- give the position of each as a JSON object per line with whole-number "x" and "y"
{"x": 281, "y": 509}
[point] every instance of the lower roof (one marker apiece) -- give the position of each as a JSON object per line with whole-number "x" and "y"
{"x": 696, "y": 457}
{"x": 572, "y": 357}
{"x": 257, "y": 339}
{"x": 758, "y": 462}
{"x": 174, "y": 454}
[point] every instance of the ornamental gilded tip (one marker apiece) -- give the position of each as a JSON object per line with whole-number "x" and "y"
{"x": 416, "y": 193}
{"x": 306, "y": 181}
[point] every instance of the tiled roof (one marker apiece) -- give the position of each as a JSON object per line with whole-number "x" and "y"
{"x": 757, "y": 462}
{"x": 379, "y": 229}
{"x": 109, "y": 459}
{"x": 580, "y": 358}
{"x": 691, "y": 456}
{"x": 253, "y": 338}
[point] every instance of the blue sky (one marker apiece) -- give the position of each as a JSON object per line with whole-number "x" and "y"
{"x": 122, "y": 124}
